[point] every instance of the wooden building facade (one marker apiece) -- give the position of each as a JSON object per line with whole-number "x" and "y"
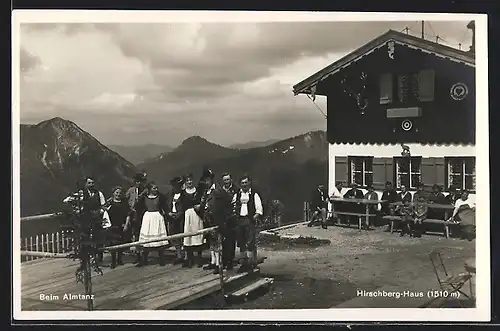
{"x": 400, "y": 109}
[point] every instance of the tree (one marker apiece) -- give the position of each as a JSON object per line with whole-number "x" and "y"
{"x": 87, "y": 234}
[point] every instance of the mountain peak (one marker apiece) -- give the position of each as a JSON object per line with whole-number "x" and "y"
{"x": 58, "y": 123}
{"x": 194, "y": 139}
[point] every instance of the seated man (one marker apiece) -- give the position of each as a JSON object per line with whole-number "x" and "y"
{"x": 464, "y": 215}
{"x": 453, "y": 195}
{"x": 354, "y": 193}
{"x": 420, "y": 210}
{"x": 437, "y": 197}
{"x": 420, "y": 192}
{"x": 337, "y": 206}
{"x": 373, "y": 208}
{"x": 406, "y": 212}
{"x": 319, "y": 205}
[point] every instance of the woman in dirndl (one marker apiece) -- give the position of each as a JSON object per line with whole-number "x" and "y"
{"x": 120, "y": 231}
{"x": 190, "y": 201}
{"x": 152, "y": 206}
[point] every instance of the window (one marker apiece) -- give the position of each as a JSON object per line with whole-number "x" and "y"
{"x": 385, "y": 89}
{"x": 408, "y": 171}
{"x": 361, "y": 170}
{"x": 461, "y": 172}
{"x": 416, "y": 87}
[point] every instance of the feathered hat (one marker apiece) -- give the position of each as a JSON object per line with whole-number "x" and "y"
{"x": 177, "y": 181}
{"x": 140, "y": 176}
{"x": 207, "y": 173}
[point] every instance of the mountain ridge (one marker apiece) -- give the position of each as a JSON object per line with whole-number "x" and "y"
{"x": 55, "y": 156}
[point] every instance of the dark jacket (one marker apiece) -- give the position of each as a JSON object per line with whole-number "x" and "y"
{"x": 178, "y": 205}
{"x": 407, "y": 197}
{"x": 437, "y": 198}
{"x": 319, "y": 199}
{"x": 354, "y": 193}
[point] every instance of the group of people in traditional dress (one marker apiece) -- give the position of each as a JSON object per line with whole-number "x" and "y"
{"x": 146, "y": 215}
{"x": 414, "y": 209}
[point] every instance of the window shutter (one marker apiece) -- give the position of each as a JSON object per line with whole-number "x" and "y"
{"x": 429, "y": 171}
{"x": 379, "y": 173}
{"x": 389, "y": 170}
{"x": 440, "y": 171}
{"x": 385, "y": 88}
{"x": 426, "y": 85}
{"x": 341, "y": 169}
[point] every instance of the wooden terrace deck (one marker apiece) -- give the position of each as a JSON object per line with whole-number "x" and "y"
{"x": 124, "y": 288}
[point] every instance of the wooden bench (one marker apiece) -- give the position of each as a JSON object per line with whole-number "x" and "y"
{"x": 394, "y": 218}
{"x": 360, "y": 217}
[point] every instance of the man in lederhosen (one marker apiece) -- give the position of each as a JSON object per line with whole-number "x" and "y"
{"x": 132, "y": 197}
{"x": 175, "y": 216}
{"x": 93, "y": 208}
{"x": 210, "y": 218}
{"x": 229, "y": 236}
{"x": 248, "y": 209}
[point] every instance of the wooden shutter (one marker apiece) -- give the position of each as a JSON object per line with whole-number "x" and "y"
{"x": 379, "y": 173}
{"x": 440, "y": 171}
{"x": 385, "y": 88}
{"x": 426, "y": 85}
{"x": 389, "y": 170}
{"x": 433, "y": 171}
{"x": 341, "y": 168}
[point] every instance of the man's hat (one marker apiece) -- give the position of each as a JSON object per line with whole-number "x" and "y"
{"x": 207, "y": 173}
{"x": 140, "y": 176}
{"x": 177, "y": 181}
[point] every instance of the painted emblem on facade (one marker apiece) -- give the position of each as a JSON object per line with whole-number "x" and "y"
{"x": 390, "y": 49}
{"x": 459, "y": 91}
{"x": 406, "y": 125}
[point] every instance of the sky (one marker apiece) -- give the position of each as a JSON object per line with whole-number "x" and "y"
{"x": 160, "y": 83}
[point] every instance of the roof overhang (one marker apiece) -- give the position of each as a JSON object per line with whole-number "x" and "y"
{"x": 307, "y": 85}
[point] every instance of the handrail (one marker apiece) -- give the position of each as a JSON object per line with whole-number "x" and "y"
{"x": 41, "y": 217}
{"x": 127, "y": 245}
{"x": 44, "y": 254}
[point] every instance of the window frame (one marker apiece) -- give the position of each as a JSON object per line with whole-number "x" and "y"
{"x": 351, "y": 172}
{"x": 463, "y": 174}
{"x": 396, "y": 160}
{"x": 413, "y": 84}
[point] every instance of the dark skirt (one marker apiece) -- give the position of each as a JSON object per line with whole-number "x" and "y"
{"x": 116, "y": 236}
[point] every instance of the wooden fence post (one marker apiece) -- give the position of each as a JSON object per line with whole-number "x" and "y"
{"x": 58, "y": 243}
{"x": 53, "y": 237}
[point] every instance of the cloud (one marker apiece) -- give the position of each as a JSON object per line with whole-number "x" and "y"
{"x": 28, "y": 61}
{"x": 229, "y": 82}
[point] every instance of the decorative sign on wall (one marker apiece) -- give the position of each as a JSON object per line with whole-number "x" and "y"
{"x": 459, "y": 91}
{"x": 355, "y": 89}
{"x": 390, "y": 49}
{"x": 406, "y": 125}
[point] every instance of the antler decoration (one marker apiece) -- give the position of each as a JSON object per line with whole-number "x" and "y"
{"x": 361, "y": 101}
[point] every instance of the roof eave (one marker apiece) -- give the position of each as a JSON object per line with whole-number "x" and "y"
{"x": 303, "y": 86}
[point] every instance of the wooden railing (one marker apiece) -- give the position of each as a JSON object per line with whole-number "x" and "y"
{"x": 59, "y": 242}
